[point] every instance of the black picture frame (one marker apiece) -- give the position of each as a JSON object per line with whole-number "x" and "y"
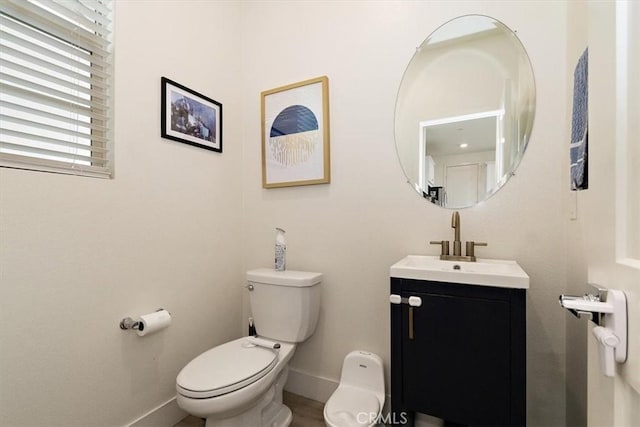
{"x": 189, "y": 117}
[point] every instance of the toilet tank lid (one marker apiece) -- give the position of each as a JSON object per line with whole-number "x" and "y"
{"x": 284, "y": 278}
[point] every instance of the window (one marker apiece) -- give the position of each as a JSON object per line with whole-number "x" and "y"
{"x": 55, "y": 76}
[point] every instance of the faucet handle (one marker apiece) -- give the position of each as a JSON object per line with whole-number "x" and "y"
{"x": 471, "y": 248}
{"x": 444, "y": 246}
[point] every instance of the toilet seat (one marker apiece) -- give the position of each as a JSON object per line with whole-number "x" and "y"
{"x": 225, "y": 368}
{"x": 350, "y": 407}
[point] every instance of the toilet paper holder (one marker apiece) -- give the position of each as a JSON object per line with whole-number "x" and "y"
{"x": 607, "y": 308}
{"x": 129, "y": 323}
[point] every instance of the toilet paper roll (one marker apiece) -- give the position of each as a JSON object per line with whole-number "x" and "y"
{"x": 152, "y": 322}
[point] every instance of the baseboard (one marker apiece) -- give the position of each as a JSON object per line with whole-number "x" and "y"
{"x": 318, "y": 388}
{"x": 166, "y": 415}
{"x": 310, "y": 386}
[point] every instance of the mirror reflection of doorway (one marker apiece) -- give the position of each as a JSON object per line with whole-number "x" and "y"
{"x": 463, "y": 155}
{"x": 461, "y": 182}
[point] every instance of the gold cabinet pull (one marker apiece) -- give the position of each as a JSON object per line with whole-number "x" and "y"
{"x": 410, "y": 323}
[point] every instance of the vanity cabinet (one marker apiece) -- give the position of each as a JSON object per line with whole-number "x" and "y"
{"x": 459, "y": 355}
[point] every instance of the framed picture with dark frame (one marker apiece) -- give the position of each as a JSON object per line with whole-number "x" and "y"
{"x": 190, "y": 117}
{"x": 295, "y": 134}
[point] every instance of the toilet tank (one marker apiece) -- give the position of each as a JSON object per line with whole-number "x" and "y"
{"x": 284, "y": 304}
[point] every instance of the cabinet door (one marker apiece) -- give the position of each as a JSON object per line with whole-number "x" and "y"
{"x": 457, "y": 365}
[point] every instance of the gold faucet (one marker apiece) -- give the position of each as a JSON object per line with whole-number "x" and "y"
{"x": 455, "y": 224}
{"x": 457, "y": 244}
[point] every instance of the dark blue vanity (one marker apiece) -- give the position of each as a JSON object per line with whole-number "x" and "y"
{"x": 458, "y": 352}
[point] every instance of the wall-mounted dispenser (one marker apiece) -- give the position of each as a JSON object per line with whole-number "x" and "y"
{"x": 607, "y": 308}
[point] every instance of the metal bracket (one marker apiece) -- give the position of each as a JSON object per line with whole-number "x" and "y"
{"x": 607, "y": 308}
{"x": 129, "y": 323}
{"x": 591, "y": 298}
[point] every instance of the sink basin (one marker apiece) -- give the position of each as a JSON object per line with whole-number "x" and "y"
{"x": 483, "y": 272}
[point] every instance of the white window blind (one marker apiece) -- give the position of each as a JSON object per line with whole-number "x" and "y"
{"x": 55, "y": 76}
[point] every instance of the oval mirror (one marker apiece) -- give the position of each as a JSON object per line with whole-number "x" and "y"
{"x": 464, "y": 111}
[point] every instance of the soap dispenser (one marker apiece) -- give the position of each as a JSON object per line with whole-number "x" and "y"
{"x": 281, "y": 250}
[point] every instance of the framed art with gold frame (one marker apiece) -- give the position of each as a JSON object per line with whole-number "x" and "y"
{"x": 295, "y": 134}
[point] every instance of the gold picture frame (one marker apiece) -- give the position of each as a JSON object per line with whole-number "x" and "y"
{"x": 295, "y": 134}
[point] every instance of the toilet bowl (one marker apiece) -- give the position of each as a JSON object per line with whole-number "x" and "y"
{"x": 359, "y": 398}
{"x": 240, "y": 383}
{"x": 233, "y": 384}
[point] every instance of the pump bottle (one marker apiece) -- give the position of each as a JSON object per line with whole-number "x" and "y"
{"x": 281, "y": 250}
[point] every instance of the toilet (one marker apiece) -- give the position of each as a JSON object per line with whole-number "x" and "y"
{"x": 240, "y": 383}
{"x": 359, "y": 398}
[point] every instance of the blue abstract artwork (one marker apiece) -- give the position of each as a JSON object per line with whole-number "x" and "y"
{"x": 294, "y": 135}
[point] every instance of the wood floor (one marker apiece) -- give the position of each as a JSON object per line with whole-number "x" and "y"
{"x": 306, "y": 413}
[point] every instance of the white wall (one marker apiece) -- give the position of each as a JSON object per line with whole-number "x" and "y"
{"x": 78, "y": 254}
{"x": 353, "y": 229}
